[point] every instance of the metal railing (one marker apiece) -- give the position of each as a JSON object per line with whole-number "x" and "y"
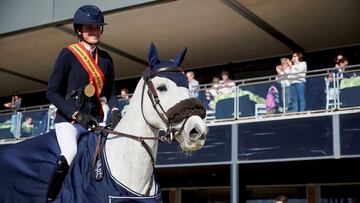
{"x": 325, "y": 90}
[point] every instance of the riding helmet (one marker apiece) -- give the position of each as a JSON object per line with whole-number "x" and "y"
{"x": 88, "y": 15}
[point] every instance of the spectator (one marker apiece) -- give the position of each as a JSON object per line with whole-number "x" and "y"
{"x": 297, "y": 82}
{"x": 340, "y": 65}
{"x": 339, "y": 69}
{"x": 216, "y": 83}
{"x": 226, "y": 85}
{"x": 281, "y": 199}
{"x": 124, "y": 100}
{"x": 15, "y": 106}
{"x": 124, "y": 93}
{"x": 214, "y": 89}
{"x": 212, "y": 92}
{"x": 339, "y": 73}
{"x": 193, "y": 84}
{"x": 282, "y": 74}
{"x": 272, "y": 100}
{"x": 52, "y": 115}
{"x": 105, "y": 109}
{"x": 15, "y": 102}
{"x": 337, "y": 59}
{"x": 27, "y": 127}
{"x": 343, "y": 63}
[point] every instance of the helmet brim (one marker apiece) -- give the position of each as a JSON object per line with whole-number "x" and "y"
{"x": 79, "y": 23}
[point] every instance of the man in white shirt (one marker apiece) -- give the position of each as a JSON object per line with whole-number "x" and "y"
{"x": 106, "y": 109}
{"x": 193, "y": 84}
{"x": 226, "y": 85}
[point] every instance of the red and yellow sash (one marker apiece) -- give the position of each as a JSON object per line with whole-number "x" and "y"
{"x": 96, "y": 76}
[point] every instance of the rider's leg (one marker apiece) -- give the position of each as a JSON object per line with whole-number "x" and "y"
{"x": 57, "y": 179}
{"x": 67, "y": 135}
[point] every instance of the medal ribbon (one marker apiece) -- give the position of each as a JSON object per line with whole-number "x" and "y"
{"x": 96, "y": 76}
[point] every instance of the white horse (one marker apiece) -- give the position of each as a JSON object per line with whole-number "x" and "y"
{"x": 128, "y": 161}
{"x": 161, "y": 101}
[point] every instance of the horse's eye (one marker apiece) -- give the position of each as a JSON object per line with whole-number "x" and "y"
{"x": 161, "y": 88}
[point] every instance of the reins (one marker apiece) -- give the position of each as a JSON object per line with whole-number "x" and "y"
{"x": 120, "y": 134}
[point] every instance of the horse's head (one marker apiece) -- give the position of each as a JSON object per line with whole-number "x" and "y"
{"x": 173, "y": 110}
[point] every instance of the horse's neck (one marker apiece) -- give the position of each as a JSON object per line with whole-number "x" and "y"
{"x": 128, "y": 160}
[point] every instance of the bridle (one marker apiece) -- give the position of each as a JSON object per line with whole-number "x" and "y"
{"x": 169, "y": 118}
{"x": 155, "y": 100}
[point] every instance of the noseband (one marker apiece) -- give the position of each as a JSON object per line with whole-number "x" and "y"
{"x": 185, "y": 109}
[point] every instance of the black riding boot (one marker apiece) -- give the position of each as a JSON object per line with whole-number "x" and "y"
{"x": 57, "y": 179}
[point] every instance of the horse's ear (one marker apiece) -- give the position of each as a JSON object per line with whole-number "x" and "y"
{"x": 153, "y": 57}
{"x": 179, "y": 59}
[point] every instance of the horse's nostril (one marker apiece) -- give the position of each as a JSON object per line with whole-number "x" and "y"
{"x": 194, "y": 133}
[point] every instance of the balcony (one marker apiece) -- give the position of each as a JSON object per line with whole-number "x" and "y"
{"x": 327, "y": 129}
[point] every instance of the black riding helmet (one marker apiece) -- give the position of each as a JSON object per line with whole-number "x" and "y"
{"x": 88, "y": 15}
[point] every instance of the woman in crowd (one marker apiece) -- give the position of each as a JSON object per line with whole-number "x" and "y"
{"x": 297, "y": 79}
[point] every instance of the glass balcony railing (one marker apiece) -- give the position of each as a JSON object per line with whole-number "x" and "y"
{"x": 33, "y": 123}
{"x": 9, "y": 125}
{"x": 325, "y": 90}
{"x": 215, "y": 100}
{"x": 24, "y": 124}
{"x": 348, "y": 89}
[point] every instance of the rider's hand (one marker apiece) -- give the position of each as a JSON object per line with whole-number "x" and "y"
{"x": 86, "y": 120}
{"x": 115, "y": 118}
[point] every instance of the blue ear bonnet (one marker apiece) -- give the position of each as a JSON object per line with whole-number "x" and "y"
{"x": 178, "y": 78}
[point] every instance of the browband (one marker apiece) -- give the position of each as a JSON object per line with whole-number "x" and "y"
{"x": 151, "y": 74}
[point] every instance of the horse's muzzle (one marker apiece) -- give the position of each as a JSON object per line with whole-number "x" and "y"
{"x": 184, "y": 109}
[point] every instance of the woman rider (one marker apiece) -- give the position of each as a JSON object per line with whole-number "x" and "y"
{"x": 82, "y": 74}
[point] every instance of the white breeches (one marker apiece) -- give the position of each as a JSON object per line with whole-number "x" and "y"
{"x": 67, "y": 135}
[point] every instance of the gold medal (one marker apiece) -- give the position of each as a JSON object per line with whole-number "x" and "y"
{"x": 89, "y": 90}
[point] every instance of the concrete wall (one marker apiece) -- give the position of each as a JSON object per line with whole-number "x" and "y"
{"x": 16, "y": 15}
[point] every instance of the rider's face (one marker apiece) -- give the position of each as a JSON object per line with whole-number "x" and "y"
{"x": 91, "y": 33}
